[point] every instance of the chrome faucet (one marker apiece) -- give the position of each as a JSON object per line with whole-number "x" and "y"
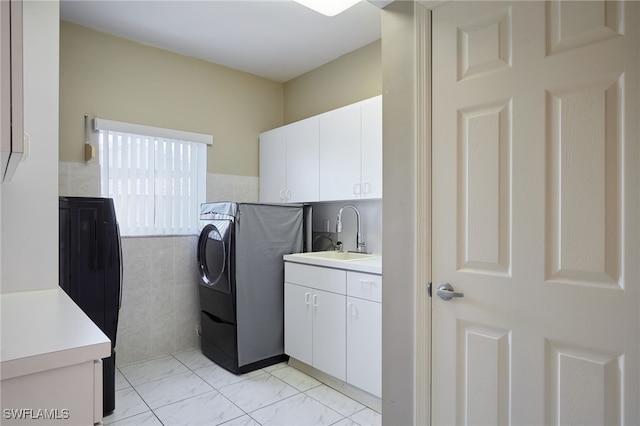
{"x": 361, "y": 245}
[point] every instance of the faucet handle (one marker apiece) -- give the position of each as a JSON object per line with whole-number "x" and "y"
{"x": 362, "y": 243}
{"x": 338, "y": 246}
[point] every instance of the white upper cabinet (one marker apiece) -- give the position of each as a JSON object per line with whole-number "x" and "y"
{"x": 11, "y": 88}
{"x": 340, "y": 149}
{"x": 351, "y": 151}
{"x": 273, "y": 165}
{"x": 332, "y": 156}
{"x": 371, "y": 171}
{"x": 302, "y": 160}
{"x": 289, "y": 163}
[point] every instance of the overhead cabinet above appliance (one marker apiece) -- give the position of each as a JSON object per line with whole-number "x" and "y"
{"x": 333, "y": 156}
{"x": 289, "y": 163}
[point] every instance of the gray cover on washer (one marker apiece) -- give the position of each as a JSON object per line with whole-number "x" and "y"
{"x": 226, "y": 209}
{"x": 264, "y": 233}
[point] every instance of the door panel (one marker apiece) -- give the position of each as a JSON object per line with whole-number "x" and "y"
{"x": 371, "y": 161}
{"x": 485, "y": 382}
{"x": 340, "y": 150}
{"x": 329, "y": 333}
{"x": 484, "y": 188}
{"x": 584, "y": 182}
{"x": 535, "y": 213}
{"x": 303, "y": 174}
{"x": 273, "y": 166}
{"x": 364, "y": 345}
{"x": 298, "y": 320}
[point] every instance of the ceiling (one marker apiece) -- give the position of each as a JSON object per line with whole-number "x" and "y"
{"x": 276, "y": 39}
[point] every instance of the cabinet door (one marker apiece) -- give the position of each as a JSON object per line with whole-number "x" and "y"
{"x": 298, "y": 322}
{"x": 11, "y": 88}
{"x": 329, "y": 333}
{"x": 303, "y": 176}
{"x": 273, "y": 156}
{"x": 372, "y": 148}
{"x": 5, "y": 85}
{"x": 340, "y": 154}
{"x": 364, "y": 345}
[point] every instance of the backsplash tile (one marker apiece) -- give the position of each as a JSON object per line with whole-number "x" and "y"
{"x": 83, "y": 180}
{"x": 160, "y": 306}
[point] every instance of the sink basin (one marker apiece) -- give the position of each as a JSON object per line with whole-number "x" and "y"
{"x": 359, "y": 262}
{"x": 337, "y": 255}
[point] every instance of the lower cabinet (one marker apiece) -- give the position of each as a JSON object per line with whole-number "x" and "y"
{"x": 329, "y": 329}
{"x": 298, "y": 322}
{"x": 69, "y": 395}
{"x": 364, "y": 345}
{"x": 329, "y": 333}
{"x": 315, "y": 328}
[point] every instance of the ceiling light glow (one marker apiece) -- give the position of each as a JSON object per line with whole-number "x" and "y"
{"x": 328, "y": 7}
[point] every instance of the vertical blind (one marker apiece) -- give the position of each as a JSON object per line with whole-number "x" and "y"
{"x": 157, "y": 182}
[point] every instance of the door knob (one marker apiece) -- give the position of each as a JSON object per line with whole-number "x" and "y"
{"x": 445, "y": 292}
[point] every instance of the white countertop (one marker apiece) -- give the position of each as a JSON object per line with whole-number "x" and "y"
{"x": 43, "y": 330}
{"x": 371, "y": 265}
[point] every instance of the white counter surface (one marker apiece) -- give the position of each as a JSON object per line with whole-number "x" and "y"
{"x": 43, "y": 330}
{"x": 372, "y": 265}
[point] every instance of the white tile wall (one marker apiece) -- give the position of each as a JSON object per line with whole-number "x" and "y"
{"x": 232, "y": 188}
{"x": 159, "y": 313}
{"x": 79, "y": 179}
{"x": 160, "y": 305}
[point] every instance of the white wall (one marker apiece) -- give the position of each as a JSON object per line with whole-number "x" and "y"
{"x": 29, "y": 215}
{"x": 398, "y": 261}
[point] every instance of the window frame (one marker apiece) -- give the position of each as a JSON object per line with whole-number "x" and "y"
{"x": 149, "y": 211}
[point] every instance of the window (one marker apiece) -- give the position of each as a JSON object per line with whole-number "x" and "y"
{"x": 155, "y": 176}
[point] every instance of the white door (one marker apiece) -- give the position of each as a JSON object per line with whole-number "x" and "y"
{"x": 298, "y": 322}
{"x": 535, "y": 213}
{"x": 329, "y": 333}
{"x": 364, "y": 345}
{"x": 371, "y": 159}
{"x": 303, "y": 175}
{"x": 340, "y": 144}
{"x": 273, "y": 170}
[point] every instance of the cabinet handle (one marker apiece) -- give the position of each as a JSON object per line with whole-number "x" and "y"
{"x": 367, "y": 282}
{"x": 288, "y": 194}
{"x": 282, "y": 196}
{"x": 353, "y": 310}
{"x": 315, "y": 300}
{"x": 356, "y": 188}
{"x": 366, "y": 188}
{"x": 307, "y": 298}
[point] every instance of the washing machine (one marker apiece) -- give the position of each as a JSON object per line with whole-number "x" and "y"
{"x": 240, "y": 259}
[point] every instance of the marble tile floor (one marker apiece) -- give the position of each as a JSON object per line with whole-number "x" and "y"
{"x": 187, "y": 388}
